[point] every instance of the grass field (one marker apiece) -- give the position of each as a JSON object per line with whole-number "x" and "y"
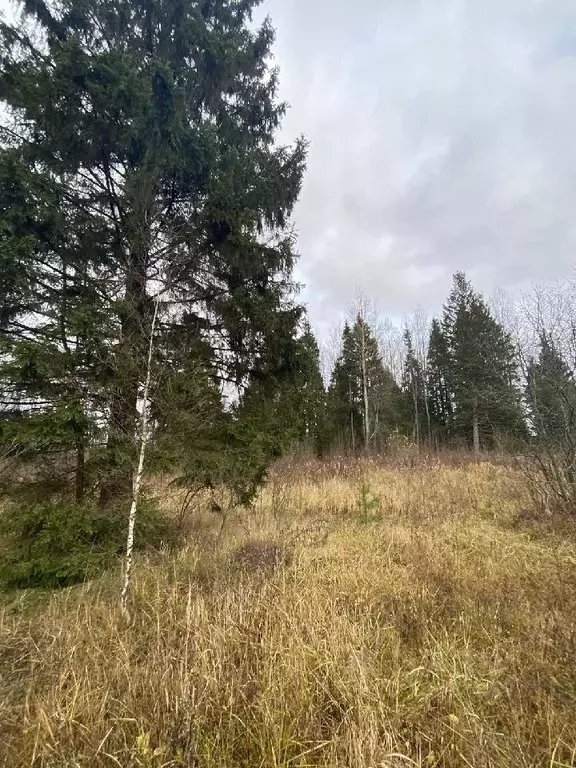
{"x": 433, "y": 627}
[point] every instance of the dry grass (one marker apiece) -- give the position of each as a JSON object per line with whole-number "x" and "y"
{"x": 442, "y": 635}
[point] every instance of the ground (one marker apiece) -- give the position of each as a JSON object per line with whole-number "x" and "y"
{"x": 359, "y": 616}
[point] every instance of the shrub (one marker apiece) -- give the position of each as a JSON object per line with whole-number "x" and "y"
{"x": 58, "y": 544}
{"x": 368, "y": 504}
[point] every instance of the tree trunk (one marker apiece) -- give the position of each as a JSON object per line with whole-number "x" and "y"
{"x": 375, "y": 432}
{"x": 128, "y": 373}
{"x": 365, "y": 394}
{"x": 475, "y": 428}
{"x": 416, "y": 414}
{"x": 137, "y": 481}
{"x": 427, "y": 408}
{"x": 80, "y": 475}
{"x": 352, "y": 435}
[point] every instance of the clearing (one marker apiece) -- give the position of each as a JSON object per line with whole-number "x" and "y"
{"x": 407, "y": 616}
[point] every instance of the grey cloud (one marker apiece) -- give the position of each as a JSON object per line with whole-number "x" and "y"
{"x": 442, "y": 138}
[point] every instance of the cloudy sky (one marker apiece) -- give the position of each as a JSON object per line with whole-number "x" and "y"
{"x": 442, "y": 137}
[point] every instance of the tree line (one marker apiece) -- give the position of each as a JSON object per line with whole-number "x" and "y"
{"x": 472, "y": 384}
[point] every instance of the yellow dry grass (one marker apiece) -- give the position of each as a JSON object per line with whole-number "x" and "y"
{"x": 443, "y": 634}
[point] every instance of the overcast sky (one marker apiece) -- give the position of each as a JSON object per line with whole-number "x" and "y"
{"x": 442, "y": 137}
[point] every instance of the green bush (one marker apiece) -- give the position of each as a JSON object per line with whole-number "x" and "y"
{"x": 58, "y": 544}
{"x": 368, "y": 504}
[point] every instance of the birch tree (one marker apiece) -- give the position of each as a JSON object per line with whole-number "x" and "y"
{"x": 143, "y": 438}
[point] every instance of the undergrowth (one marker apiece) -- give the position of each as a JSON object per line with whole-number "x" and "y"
{"x": 55, "y": 544}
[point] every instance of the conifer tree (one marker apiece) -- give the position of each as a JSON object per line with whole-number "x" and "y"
{"x": 277, "y": 414}
{"x": 137, "y": 154}
{"x": 344, "y": 410}
{"x": 364, "y": 401}
{"x": 482, "y": 370}
{"x": 309, "y": 411}
{"x": 53, "y": 362}
{"x": 440, "y": 404}
{"x": 551, "y": 395}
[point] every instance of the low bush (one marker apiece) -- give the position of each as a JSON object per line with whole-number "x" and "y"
{"x": 368, "y": 504}
{"x": 58, "y": 544}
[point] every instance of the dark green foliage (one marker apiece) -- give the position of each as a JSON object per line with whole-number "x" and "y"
{"x": 57, "y": 544}
{"x": 474, "y": 396}
{"x": 51, "y": 351}
{"x": 308, "y": 402}
{"x": 551, "y": 395}
{"x": 344, "y": 397}
{"x": 208, "y": 445}
{"x": 484, "y": 374}
{"x": 551, "y": 400}
{"x": 138, "y": 156}
{"x": 234, "y": 456}
{"x": 359, "y": 378}
{"x": 440, "y": 403}
{"x": 276, "y": 414}
{"x": 414, "y": 390}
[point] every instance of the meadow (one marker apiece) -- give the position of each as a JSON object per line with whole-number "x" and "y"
{"x": 361, "y": 615}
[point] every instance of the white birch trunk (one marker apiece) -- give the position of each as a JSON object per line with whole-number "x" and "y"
{"x": 365, "y": 392}
{"x": 428, "y": 420}
{"x": 475, "y": 429}
{"x": 139, "y": 470}
{"x": 416, "y": 430}
{"x": 352, "y": 436}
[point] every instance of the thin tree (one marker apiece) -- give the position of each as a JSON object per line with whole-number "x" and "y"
{"x": 144, "y": 437}
{"x": 418, "y": 324}
{"x": 414, "y": 388}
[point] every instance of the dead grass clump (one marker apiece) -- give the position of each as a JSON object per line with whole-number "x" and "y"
{"x": 261, "y": 555}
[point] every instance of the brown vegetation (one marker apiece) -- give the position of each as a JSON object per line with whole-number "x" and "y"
{"x": 444, "y": 634}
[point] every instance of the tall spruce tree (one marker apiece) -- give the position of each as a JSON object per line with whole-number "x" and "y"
{"x": 290, "y": 413}
{"x": 482, "y": 370}
{"x": 309, "y": 395}
{"x": 138, "y": 157}
{"x": 414, "y": 389}
{"x": 53, "y": 362}
{"x": 344, "y": 410}
{"x": 364, "y": 401}
{"x": 551, "y": 395}
{"x": 439, "y": 394}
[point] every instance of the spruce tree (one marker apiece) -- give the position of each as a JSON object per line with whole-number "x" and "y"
{"x": 53, "y": 362}
{"x": 364, "y": 402}
{"x": 551, "y": 395}
{"x": 292, "y": 411}
{"x": 344, "y": 409}
{"x": 440, "y": 403}
{"x": 138, "y": 146}
{"x": 482, "y": 370}
{"x": 309, "y": 395}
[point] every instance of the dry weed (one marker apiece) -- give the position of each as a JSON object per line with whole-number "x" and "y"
{"x": 440, "y": 636}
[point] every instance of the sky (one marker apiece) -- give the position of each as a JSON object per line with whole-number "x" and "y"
{"x": 442, "y": 137}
